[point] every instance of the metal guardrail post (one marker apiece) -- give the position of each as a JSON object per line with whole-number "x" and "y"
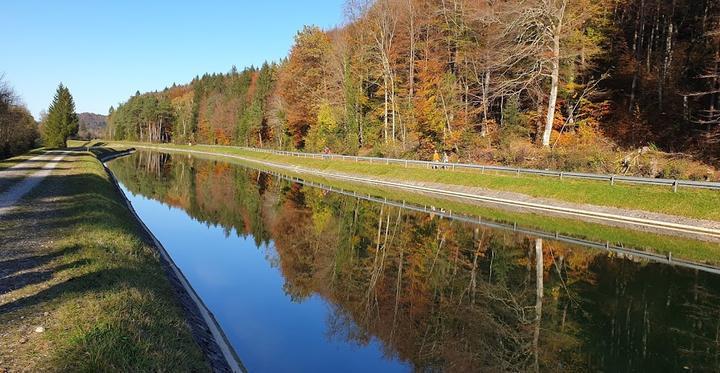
{"x": 612, "y": 180}
{"x": 675, "y": 186}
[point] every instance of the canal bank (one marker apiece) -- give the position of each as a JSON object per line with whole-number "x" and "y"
{"x": 82, "y": 285}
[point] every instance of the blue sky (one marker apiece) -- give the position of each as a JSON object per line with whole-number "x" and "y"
{"x": 104, "y": 51}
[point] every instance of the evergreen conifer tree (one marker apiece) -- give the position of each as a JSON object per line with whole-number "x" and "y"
{"x": 61, "y": 121}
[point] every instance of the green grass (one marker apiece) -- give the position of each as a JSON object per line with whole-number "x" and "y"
{"x": 109, "y": 304}
{"x": 687, "y": 202}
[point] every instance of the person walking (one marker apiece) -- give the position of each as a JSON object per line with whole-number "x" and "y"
{"x": 435, "y": 158}
{"x": 445, "y": 159}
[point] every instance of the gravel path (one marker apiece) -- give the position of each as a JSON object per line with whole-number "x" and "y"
{"x": 20, "y": 179}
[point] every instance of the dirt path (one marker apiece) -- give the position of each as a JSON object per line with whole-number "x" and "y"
{"x": 20, "y": 179}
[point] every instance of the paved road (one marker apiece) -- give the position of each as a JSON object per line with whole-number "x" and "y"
{"x": 25, "y": 176}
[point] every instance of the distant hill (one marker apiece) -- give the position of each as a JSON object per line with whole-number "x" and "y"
{"x": 92, "y": 126}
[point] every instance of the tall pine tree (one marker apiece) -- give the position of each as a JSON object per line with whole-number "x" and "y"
{"x": 62, "y": 121}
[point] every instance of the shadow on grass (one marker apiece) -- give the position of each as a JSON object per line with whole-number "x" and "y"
{"x": 19, "y": 281}
{"x": 101, "y": 281}
{"x": 9, "y": 267}
{"x": 32, "y": 168}
{"x": 40, "y": 161}
{"x": 67, "y": 211}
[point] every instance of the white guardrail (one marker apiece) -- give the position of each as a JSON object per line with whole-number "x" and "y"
{"x": 612, "y": 179}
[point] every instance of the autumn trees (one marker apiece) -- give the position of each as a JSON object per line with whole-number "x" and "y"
{"x": 437, "y": 74}
{"x": 302, "y": 81}
{"x": 18, "y": 130}
{"x": 406, "y": 77}
{"x": 665, "y": 54}
{"x": 225, "y": 109}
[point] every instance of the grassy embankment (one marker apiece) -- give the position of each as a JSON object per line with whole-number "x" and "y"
{"x": 690, "y": 249}
{"x": 74, "y": 261}
{"x": 687, "y": 202}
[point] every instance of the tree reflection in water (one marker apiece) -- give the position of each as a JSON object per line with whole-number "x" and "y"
{"x": 446, "y": 295}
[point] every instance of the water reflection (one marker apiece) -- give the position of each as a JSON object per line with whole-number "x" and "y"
{"x": 397, "y": 289}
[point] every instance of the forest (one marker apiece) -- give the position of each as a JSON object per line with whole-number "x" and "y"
{"x": 629, "y": 86}
{"x": 442, "y": 294}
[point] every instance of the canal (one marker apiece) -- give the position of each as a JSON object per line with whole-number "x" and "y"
{"x": 302, "y": 278}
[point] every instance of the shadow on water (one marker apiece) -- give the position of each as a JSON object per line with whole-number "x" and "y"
{"x": 438, "y": 293}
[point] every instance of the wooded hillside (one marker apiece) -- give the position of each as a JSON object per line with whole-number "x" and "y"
{"x": 602, "y": 85}
{"x": 92, "y": 126}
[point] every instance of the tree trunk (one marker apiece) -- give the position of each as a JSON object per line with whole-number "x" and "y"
{"x": 485, "y": 104}
{"x": 555, "y": 77}
{"x": 411, "y": 77}
{"x": 385, "y": 113}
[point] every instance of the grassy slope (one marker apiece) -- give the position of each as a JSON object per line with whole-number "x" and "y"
{"x": 689, "y": 249}
{"x": 109, "y": 305}
{"x": 694, "y": 203}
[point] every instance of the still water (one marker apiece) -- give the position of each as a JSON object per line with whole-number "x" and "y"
{"x": 303, "y": 279}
